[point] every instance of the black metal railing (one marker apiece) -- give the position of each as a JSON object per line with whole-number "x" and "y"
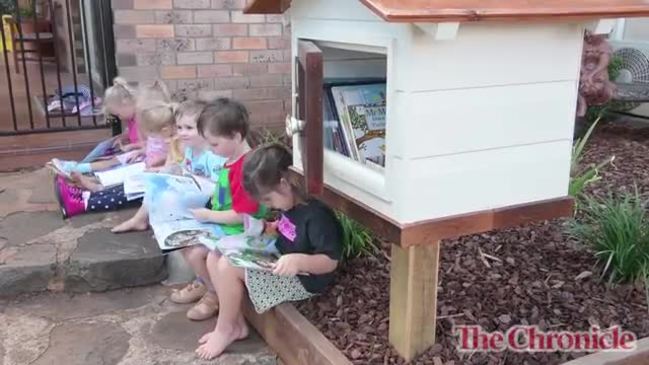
{"x": 59, "y": 89}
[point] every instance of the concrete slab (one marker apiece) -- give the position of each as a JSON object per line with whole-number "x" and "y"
{"x": 23, "y": 227}
{"x": 103, "y": 260}
{"x": 64, "y": 306}
{"x": 137, "y": 327}
{"x": 165, "y": 334}
{"x": 27, "y": 270}
{"x": 96, "y": 343}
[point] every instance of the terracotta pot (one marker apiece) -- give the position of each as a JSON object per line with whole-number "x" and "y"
{"x": 29, "y": 26}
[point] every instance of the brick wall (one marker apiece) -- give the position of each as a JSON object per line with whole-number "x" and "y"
{"x": 207, "y": 49}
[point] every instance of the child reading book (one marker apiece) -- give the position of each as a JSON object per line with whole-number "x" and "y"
{"x": 157, "y": 121}
{"x": 309, "y": 241}
{"x": 120, "y": 101}
{"x": 197, "y": 160}
{"x": 224, "y": 125}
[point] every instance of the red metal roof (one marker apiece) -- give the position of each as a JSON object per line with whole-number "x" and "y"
{"x": 475, "y": 10}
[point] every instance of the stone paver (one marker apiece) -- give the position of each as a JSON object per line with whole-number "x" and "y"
{"x": 40, "y": 251}
{"x": 126, "y": 327}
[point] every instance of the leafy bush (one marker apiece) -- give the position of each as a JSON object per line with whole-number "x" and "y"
{"x": 617, "y": 228}
{"x": 7, "y": 7}
{"x": 582, "y": 176}
{"x": 357, "y": 239}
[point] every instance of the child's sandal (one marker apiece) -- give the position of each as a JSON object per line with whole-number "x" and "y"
{"x": 206, "y": 308}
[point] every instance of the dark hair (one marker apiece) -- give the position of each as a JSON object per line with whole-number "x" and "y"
{"x": 264, "y": 168}
{"x": 224, "y": 117}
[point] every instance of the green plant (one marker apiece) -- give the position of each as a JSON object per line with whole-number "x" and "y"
{"x": 582, "y": 176}
{"x": 264, "y": 135}
{"x": 357, "y": 239}
{"x": 617, "y": 228}
{"x": 7, "y": 7}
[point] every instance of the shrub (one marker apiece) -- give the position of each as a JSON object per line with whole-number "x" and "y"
{"x": 582, "y": 176}
{"x": 357, "y": 239}
{"x": 617, "y": 228}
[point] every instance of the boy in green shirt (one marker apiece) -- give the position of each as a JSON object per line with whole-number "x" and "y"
{"x": 224, "y": 125}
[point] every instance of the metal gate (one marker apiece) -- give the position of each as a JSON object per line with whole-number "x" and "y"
{"x": 58, "y": 56}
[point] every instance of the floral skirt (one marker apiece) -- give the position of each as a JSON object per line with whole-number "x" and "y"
{"x": 267, "y": 290}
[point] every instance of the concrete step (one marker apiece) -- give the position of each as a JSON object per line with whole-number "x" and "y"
{"x": 125, "y": 327}
{"x": 39, "y": 251}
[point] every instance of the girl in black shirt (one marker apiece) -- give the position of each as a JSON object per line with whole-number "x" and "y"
{"x": 309, "y": 239}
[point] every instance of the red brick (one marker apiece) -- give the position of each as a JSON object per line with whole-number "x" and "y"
{"x": 135, "y": 45}
{"x": 229, "y": 83}
{"x": 121, "y": 4}
{"x": 211, "y": 16}
{"x": 266, "y": 80}
{"x": 213, "y": 44}
{"x": 186, "y": 30}
{"x": 123, "y": 31}
{"x": 192, "y": 4}
{"x": 279, "y": 68}
{"x": 178, "y": 72}
{"x": 266, "y": 56}
{"x": 154, "y": 31}
{"x": 152, "y": 4}
{"x": 239, "y": 17}
{"x": 230, "y": 30}
{"x": 265, "y": 30}
{"x": 279, "y": 43}
{"x": 249, "y": 43}
{"x": 231, "y": 57}
{"x": 209, "y": 95}
{"x": 190, "y": 58}
{"x": 246, "y": 69}
{"x": 266, "y": 106}
{"x": 214, "y": 70}
{"x": 261, "y": 93}
{"x": 275, "y": 18}
{"x": 228, "y": 4}
{"x": 132, "y": 17}
{"x": 173, "y": 17}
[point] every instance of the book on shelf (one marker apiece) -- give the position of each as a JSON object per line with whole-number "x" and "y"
{"x": 361, "y": 110}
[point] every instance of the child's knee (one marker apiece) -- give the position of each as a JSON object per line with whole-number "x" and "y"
{"x": 213, "y": 259}
{"x": 196, "y": 254}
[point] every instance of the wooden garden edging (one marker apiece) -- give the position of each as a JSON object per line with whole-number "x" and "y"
{"x": 293, "y": 337}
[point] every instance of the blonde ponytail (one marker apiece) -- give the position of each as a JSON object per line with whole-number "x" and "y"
{"x": 119, "y": 94}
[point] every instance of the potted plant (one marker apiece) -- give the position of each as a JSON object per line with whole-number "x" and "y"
{"x": 27, "y": 13}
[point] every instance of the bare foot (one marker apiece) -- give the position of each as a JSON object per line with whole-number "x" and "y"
{"x": 217, "y": 342}
{"x": 130, "y": 225}
{"x": 205, "y": 337}
{"x": 86, "y": 182}
{"x": 243, "y": 329}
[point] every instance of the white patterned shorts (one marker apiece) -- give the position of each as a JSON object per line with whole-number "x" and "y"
{"x": 267, "y": 290}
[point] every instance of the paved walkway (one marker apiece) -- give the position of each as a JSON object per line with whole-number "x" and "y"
{"x": 47, "y": 266}
{"x": 124, "y": 327}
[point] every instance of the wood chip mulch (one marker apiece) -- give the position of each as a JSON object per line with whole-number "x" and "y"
{"x": 532, "y": 275}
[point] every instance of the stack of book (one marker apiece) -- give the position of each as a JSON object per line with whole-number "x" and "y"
{"x": 354, "y": 119}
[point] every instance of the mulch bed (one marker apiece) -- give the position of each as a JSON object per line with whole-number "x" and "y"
{"x": 540, "y": 278}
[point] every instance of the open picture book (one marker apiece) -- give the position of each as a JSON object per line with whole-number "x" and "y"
{"x": 170, "y": 199}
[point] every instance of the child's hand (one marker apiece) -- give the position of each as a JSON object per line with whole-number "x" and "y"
{"x": 288, "y": 265}
{"x": 201, "y": 214}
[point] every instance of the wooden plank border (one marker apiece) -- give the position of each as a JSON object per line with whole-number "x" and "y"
{"x": 431, "y": 231}
{"x": 295, "y": 340}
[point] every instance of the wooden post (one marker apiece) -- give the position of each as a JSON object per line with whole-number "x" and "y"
{"x": 413, "y": 298}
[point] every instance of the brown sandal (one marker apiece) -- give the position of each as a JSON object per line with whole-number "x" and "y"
{"x": 206, "y": 308}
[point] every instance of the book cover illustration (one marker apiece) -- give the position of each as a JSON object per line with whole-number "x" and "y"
{"x": 362, "y": 110}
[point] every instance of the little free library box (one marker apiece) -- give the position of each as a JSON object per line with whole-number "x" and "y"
{"x": 432, "y": 119}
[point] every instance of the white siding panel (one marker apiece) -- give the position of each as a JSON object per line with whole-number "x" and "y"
{"x": 469, "y": 182}
{"x": 454, "y": 121}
